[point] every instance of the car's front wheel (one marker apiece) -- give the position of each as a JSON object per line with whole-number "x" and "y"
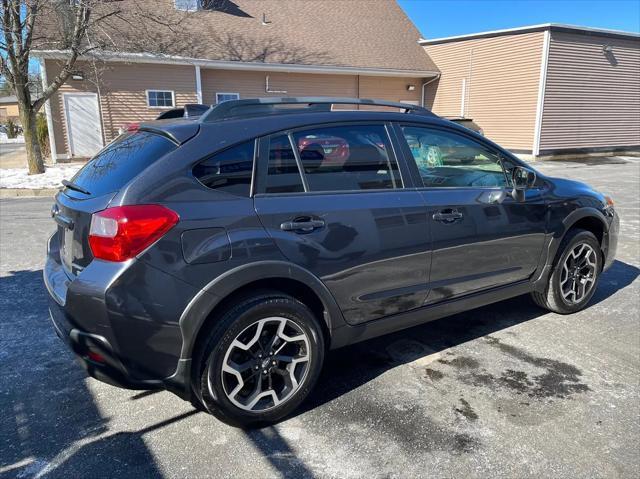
{"x": 575, "y": 275}
{"x": 261, "y": 361}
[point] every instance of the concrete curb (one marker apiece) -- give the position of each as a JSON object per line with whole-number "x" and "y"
{"x": 27, "y": 192}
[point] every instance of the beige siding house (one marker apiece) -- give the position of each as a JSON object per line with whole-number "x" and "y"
{"x": 592, "y": 93}
{"x": 541, "y": 91}
{"x": 545, "y": 90}
{"x": 359, "y": 48}
{"x": 9, "y": 109}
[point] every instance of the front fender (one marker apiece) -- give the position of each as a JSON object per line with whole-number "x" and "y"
{"x": 558, "y": 232}
{"x": 584, "y": 212}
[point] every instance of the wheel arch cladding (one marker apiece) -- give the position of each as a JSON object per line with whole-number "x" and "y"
{"x": 589, "y": 219}
{"x": 278, "y": 276}
{"x": 593, "y": 224}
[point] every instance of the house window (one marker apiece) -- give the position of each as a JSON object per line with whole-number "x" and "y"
{"x": 222, "y": 97}
{"x": 160, "y": 98}
{"x": 187, "y": 5}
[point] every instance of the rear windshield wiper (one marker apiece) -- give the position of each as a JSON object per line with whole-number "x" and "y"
{"x": 73, "y": 186}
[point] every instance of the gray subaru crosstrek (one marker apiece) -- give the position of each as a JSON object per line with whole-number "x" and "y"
{"x": 221, "y": 257}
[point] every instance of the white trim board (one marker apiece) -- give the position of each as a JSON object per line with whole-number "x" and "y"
{"x": 235, "y": 65}
{"x": 542, "y": 84}
{"x": 47, "y": 111}
{"x": 531, "y": 28}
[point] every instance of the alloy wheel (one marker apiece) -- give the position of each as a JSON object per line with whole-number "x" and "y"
{"x": 265, "y": 364}
{"x": 579, "y": 272}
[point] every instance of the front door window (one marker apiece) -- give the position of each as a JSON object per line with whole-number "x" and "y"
{"x": 447, "y": 159}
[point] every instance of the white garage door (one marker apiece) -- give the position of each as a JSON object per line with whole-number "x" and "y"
{"x": 83, "y": 123}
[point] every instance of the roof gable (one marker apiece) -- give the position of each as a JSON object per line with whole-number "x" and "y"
{"x": 374, "y": 34}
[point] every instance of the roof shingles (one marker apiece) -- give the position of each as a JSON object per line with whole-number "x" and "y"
{"x": 370, "y": 34}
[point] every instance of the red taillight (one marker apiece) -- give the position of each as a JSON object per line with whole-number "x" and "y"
{"x": 95, "y": 357}
{"x": 120, "y": 233}
{"x": 133, "y": 126}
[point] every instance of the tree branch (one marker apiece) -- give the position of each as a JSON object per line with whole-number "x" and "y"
{"x": 4, "y": 70}
{"x": 16, "y": 28}
{"x": 83, "y": 14}
{"x": 30, "y": 20}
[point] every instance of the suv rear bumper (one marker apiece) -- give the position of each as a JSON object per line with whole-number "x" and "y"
{"x": 110, "y": 369}
{"x": 120, "y": 334}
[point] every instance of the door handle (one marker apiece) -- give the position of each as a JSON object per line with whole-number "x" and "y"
{"x": 305, "y": 226}
{"x": 447, "y": 216}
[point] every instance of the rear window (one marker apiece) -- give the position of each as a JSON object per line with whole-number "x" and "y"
{"x": 120, "y": 162}
{"x": 229, "y": 171}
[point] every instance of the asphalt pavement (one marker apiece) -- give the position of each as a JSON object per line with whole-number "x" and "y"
{"x": 13, "y": 155}
{"x": 507, "y": 390}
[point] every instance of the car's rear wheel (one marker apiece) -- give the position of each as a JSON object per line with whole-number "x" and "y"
{"x": 575, "y": 274}
{"x": 261, "y": 361}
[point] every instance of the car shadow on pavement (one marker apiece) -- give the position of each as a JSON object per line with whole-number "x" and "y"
{"x": 350, "y": 367}
{"x": 50, "y": 424}
{"x": 278, "y": 452}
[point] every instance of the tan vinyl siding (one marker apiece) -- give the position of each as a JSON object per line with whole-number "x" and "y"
{"x": 253, "y": 84}
{"x": 390, "y": 89}
{"x": 502, "y": 77}
{"x": 123, "y": 97}
{"x": 592, "y": 100}
{"x": 10, "y": 110}
{"x": 122, "y": 93}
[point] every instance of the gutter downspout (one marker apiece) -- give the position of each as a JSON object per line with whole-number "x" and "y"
{"x": 198, "y": 85}
{"x": 47, "y": 111}
{"x": 437, "y": 77}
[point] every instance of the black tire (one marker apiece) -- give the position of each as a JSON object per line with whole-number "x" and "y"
{"x": 233, "y": 321}
{"x": 552, "y": 298}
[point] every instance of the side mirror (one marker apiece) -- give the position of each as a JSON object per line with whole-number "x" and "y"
{"x": 522, "y": 179}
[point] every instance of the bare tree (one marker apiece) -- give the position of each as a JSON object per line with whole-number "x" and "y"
{"x": 75, "y": 27}
{"x": 84, "y": 32}
{"x": 17, "y": 34}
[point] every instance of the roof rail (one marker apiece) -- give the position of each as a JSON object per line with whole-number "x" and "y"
{"x": 310, "y": 104}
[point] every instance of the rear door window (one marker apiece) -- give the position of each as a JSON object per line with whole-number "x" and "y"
{"x": 229, "y": 171}
{"x": 346, "y": 158}
{"x": 120, "y": 162}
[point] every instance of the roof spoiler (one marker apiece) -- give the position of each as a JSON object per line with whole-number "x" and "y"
{"x": 178, "y": 132}
{"x": 190, "y": 110}
{"x": 194, "y": 110}
{"x": 275, "y": 106}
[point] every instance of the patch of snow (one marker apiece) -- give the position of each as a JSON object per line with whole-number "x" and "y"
{"x": 5, "y": 139}
{"x": 51, "y": 178}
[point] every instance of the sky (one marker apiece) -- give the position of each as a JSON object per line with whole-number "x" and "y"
{"x": 443, "y": 18}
